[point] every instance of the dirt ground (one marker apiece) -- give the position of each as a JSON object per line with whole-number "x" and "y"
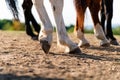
{"x": 22, "y": 59}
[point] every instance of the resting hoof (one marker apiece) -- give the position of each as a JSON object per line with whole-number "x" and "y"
{"x": 75, "y": 51}
{"x": 114, "y": 42}
{"x": 105, "y": 45}
{"x": 34, "y": 37}
{"x": 86, "y": 45}
{"x": 45, "y": 46}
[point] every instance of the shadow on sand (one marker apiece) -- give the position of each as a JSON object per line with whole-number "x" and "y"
{"x": 14, "y": 77}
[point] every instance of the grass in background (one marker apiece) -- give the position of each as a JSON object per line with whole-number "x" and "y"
{"x": 15, "y": 25}
{"x": 71, "y": 29}
{"x": 11, "y": 25}
{"x": 116, "y": 30}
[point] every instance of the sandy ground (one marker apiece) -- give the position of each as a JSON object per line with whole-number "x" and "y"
{"x": 22, "y": 59}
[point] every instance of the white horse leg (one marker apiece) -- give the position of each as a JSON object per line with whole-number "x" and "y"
{"x": 83, "y": 41}
{"x": 100, "y": 35}
{"x": 45, "y": 35}
{"x": 63, "y": 39}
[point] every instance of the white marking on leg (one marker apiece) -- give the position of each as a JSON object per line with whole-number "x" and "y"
{"x": 100, "y": 34}
{"x": 82, "y": 38}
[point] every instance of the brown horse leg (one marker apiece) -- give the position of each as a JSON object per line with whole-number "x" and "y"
{"x": 94, "y": 9}
{"x": 80, "y": 26}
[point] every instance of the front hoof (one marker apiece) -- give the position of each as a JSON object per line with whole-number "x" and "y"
{"x": 114, "y": 42}
{"x": 75, "y": 51}
{"x": 85, "y": 45}
{"x": 34, "y": 37}
{"x": 105, "y": 45}
{"x": 45, "y": 46}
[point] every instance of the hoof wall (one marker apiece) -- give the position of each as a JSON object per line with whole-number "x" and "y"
{"x": 85, "y": 45}
{"x": 34, "y": 37}
{"x": 75, "y": 51}
{"x": 105, "y": 45}
{"x": 114, "y": 42}
{"x": 45, "y": 46}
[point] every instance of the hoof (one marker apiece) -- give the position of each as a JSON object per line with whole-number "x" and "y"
{"x": 105, "y": 45}
{"x": 114, "y": 42}
{"x": 34, "y": 37}
{"x": 75, "y": 51}
{"x": 45, "y": 46}
{"x": 85, "y": 45}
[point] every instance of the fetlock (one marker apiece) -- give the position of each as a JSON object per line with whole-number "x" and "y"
{"x": 104, "y": 43}
{"x": 100, "y": 35}
{"x": 46, "y": 35}
{"x": 67, "y": 45}
{"x": 83, "y": 42}
{"x": 99, "y": 32}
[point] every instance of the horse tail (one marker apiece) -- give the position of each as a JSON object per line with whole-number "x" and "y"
{"x": 12, "y": 5}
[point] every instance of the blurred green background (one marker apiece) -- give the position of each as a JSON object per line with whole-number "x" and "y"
{"x": 18, "y": 26}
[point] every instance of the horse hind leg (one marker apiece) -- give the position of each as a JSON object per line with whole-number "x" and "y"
{"x": 109, "y": 32}
{"x": 94, "y": 9}
{"x": 79, "y": 28}
{"x": 63, "y": 39}
{"x": 102, "y": 14}
{"x": 27, "y": 12}
{"x": 109, "y": 15}
{"x": 29, "y": 18}
{"x": 80, "y": 34}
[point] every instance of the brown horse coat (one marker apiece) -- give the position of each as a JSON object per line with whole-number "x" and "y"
{"x": 94, "y": 7}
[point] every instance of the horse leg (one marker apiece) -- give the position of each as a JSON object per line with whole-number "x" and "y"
{"x": 35, "y": 24}
{"x": 109, "y": 15}
{"x": 80, "y": 10}
{"x": 63, "y": 39}
{"x": 45, "y": 35}
{"x": 28, "y": 27}
{"x": 94, "y": 9}
{"x": 103, "y": 16}
{"x": 27, "y": 5}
